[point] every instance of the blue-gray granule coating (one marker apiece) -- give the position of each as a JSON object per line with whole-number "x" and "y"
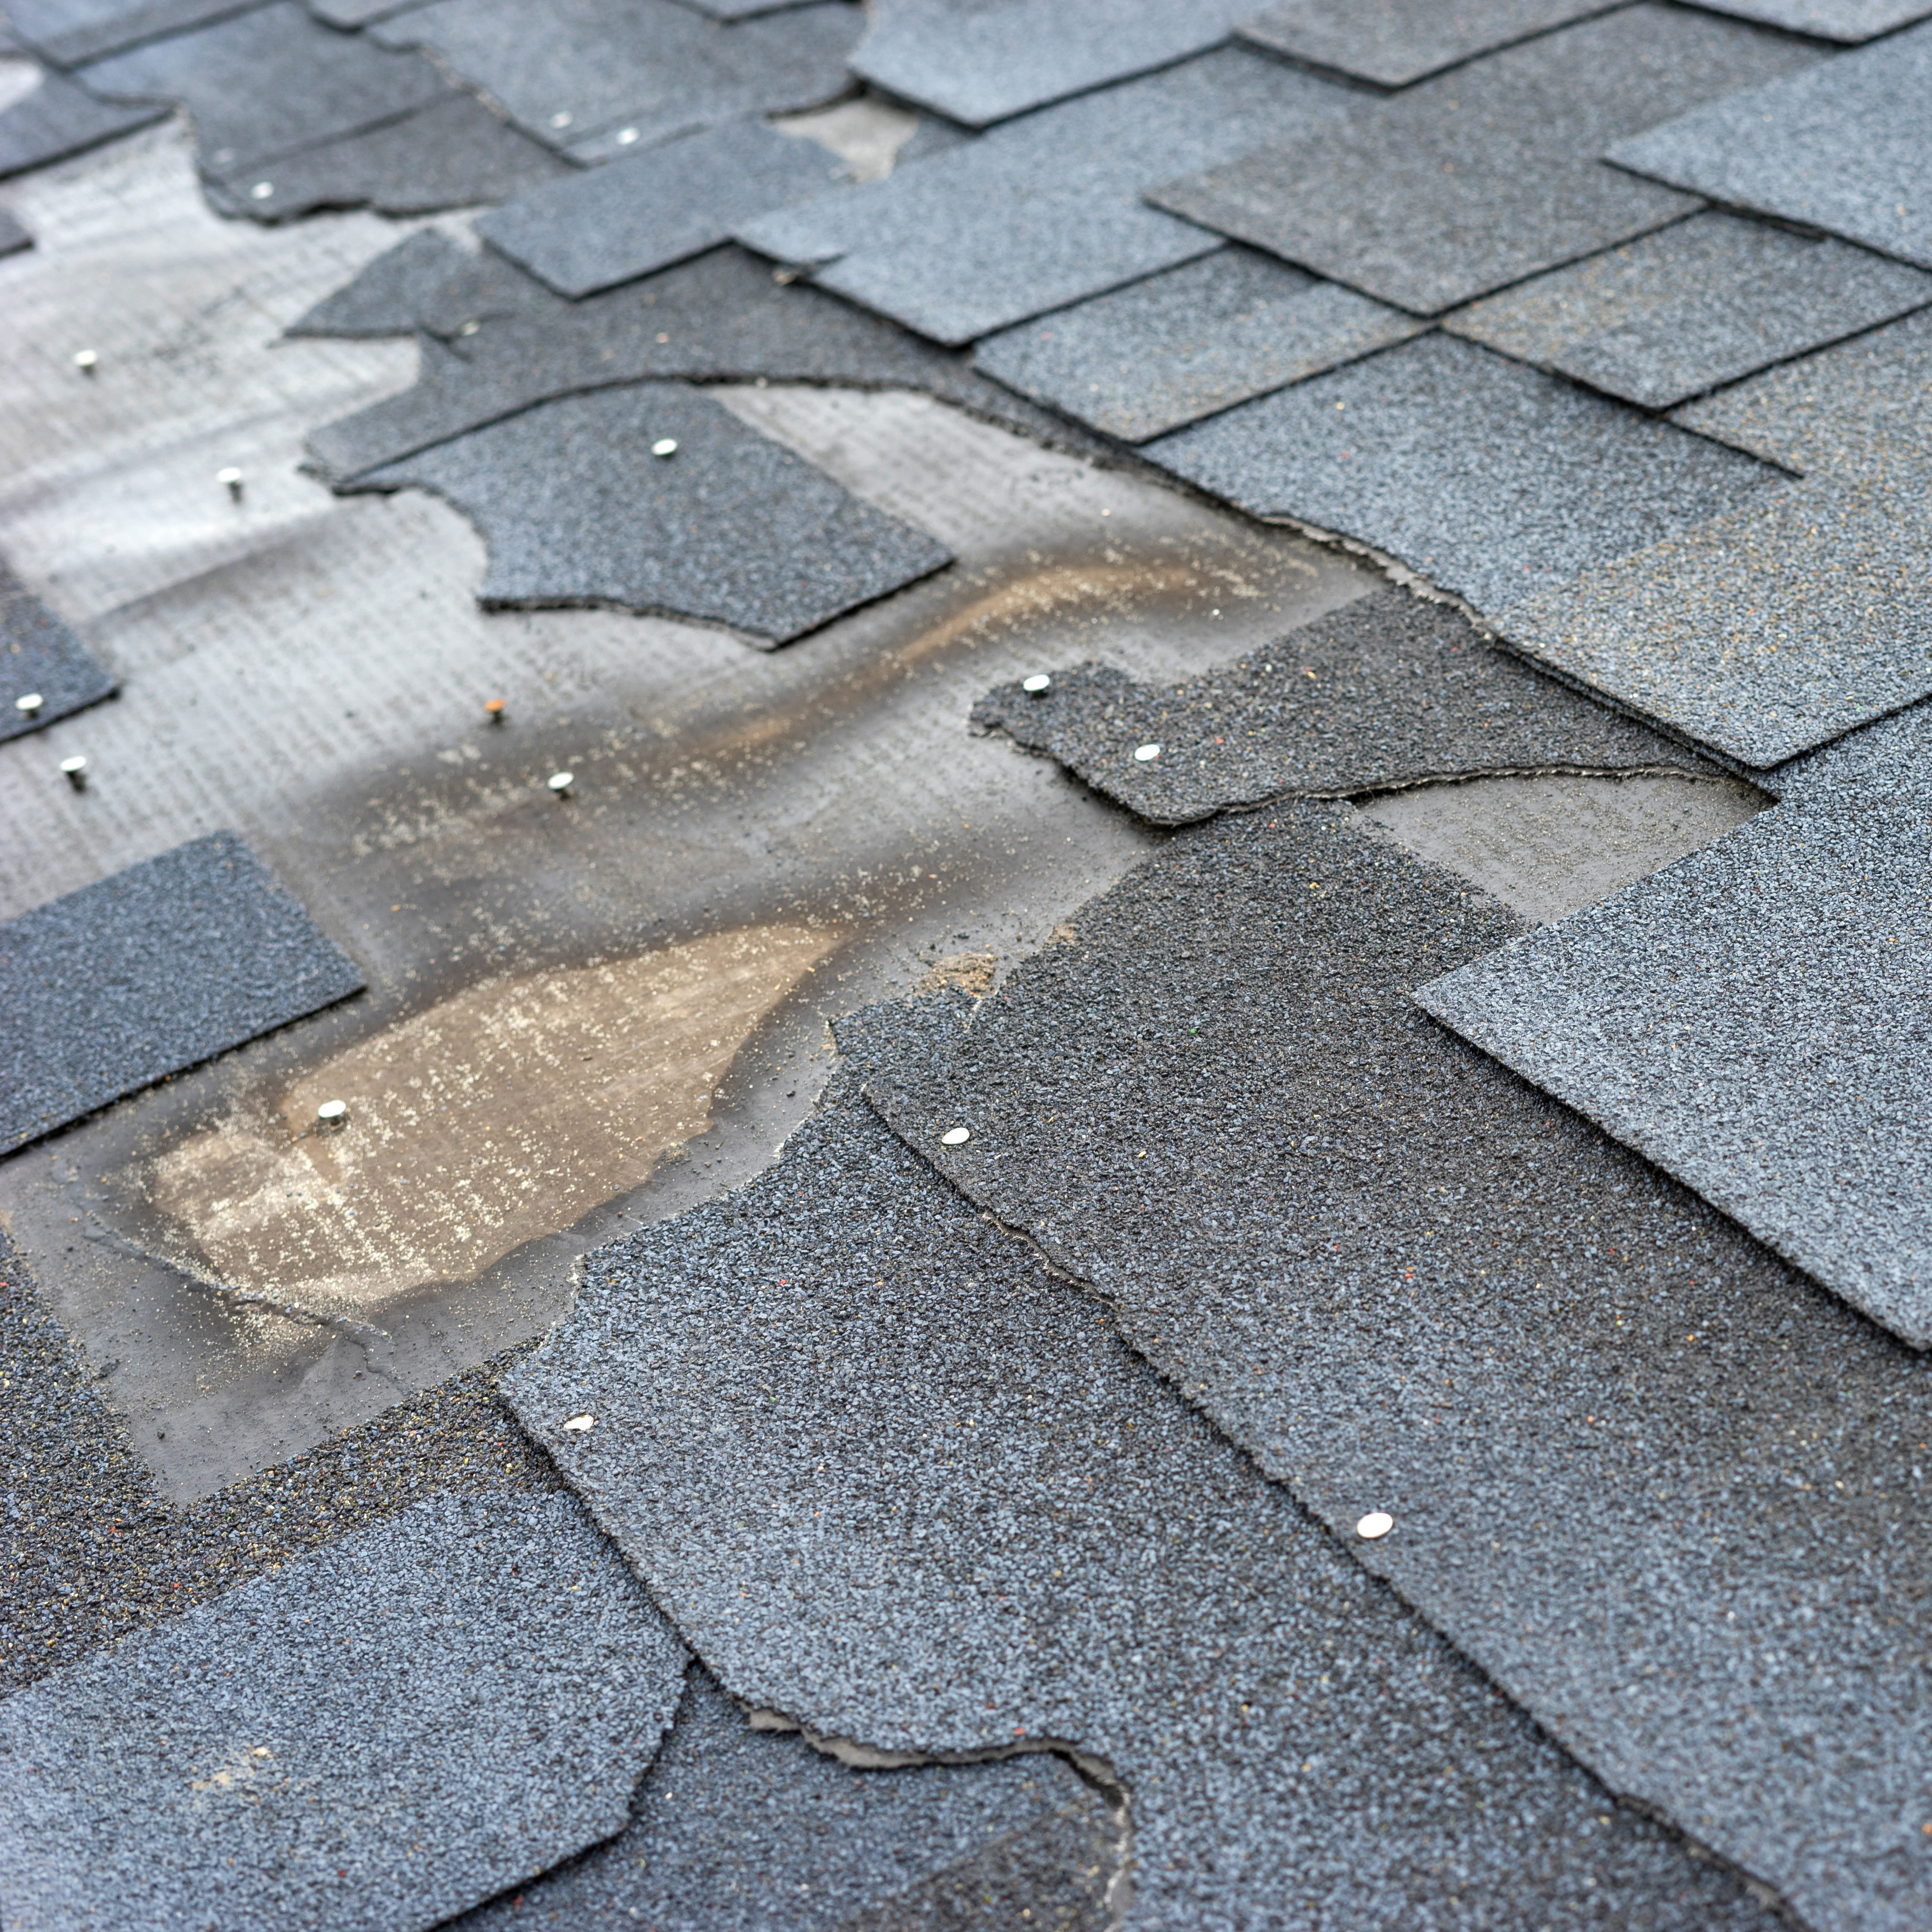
{"x": 575, "y": 73}
{"x": 1181, "y": 345}
{"x": 1704, "y": 302}
{"x": 354, "y": 13}
{"x": 1492, "y": 480}
{"x": 1394, "y": 42}
{"x": 386, "y": 1732}
{"x": 1763, "y": 633}
{"x": 61, "y": 118}
{"x": 1046, "y": 211}
{"x": 13, "y": 234}
{"x": 267, "y": 82}
{"x": 1668, "y": 1493}
{"x": 982, "y": 63}
{"x": 1754, "y": 1019}
{"x": 735, "y": 1830}
{"x": 733, "y": 529}
{"x": 159, "y": 966}
{"x": 1842, "y": 148}
{"x": 38, "y": 652}
{"x": 68, "y": 32}
{"x": 890, "y": 1477}
{"x": 1859, "y": 409}
{"x": 720, "y": 317}
{"x": 622, "y": 221}
{"x": 1847, "y": 20}
{"x": 1388, "y": 690}
{"x": 453, "y": 154}
{"x": 1480, "y": 177}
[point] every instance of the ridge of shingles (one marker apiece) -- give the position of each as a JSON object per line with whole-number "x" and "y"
{"x": 1044, "y": 210}
{"x": 1840, "y": 148}
{"x": 1492, "y": 479}
{"x": 60, "y": 118}
{"x": 579, "y": 504}
{"x": 1752, "y": 1020}
{"x": 980, "y": 64}
{"x": 1388, "y": 691}
{"x": 67, "y": 32}
{"x": 39, "y": 652}
{"x": 386, "y": 1731}
{"x": 583, "y": 75}
{"x": 152, "y": 969}
{"x": 1489, "y": 174}
{"x": 1661, "y": 1487}
{"x": 962, "y": 1518}
{"x": 1189, "y": 342}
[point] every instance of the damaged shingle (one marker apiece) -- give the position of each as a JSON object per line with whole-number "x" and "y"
{"x": 576, "y": 508}
{"x": 40, "y": 656}
{"x": 1394, "y": 42}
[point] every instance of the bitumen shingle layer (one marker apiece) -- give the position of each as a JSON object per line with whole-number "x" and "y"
{"x": 41, "y": 656}
{"x": 60, "y": 118}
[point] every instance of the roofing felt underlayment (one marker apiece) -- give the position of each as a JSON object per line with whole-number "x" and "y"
{"x": 384, "y": 1732}
{"x": 1753, "y": 1019}
{"x": 1661, "y": 1487}
{"x": 1841, "y": 148}
{"x": 1162, "y": 352}
{"x": 1047, "y": 210}
{"x": 1495, "y": 481}
{"x": 40, "y": 656}
{"x": 1488, "y": 174}
{"x": 577, "y": 507}
{"x": 1388, "y": 691}
{"x": 159, "y": 966}
{"x": 1393, "y": 43}
{"x": 963, "y": 1517}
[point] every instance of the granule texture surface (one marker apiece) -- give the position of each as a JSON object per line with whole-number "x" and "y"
{"x": 160, "y": 966}
{"x": 1667, "y": 1492}
{"x": 69, "y": 32}
{"x": 61, "y": 118}
{"x": 39, "y": 654}
{"x": 386, "y": 1731}
{"x": 1848, "y": 20}
{"x": 1393, "y": 43}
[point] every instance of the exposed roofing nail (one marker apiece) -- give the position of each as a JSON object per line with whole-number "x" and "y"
{"x": 86, "y": 361}
{"x": 497, "y": 710}
{"x": 625, "y": 136}
{"x": 261, "y": 190}
{"x": 665, "y": 446}
{"x": 1144, "y": 752}
{"x": 28, "y": 703}
{"x": 75, "y": 771}
{"x": 232, "y": 478}
{"x": 1376, "y": 1524}
{"x": 1037, "y": 685}
{"x": 332, "y": 1116}
{"x": 579, "y": 1425}
{"x": 560, "y": 782}
{"x": 956, "y": 1137}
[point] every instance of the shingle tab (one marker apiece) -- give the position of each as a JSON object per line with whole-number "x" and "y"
{"x": 1161, "y": 353}
{"x": 61, "y": 118}
{"x": 1494, "y": 480}
{"x": 69, "y": 32}
{"x": 1841, "y": 148}
{"x": 1847, "y": 20}
{"x": 40, "y": 655}
{"x": 1486, "y": 175}
{"x": 1046, "y": 211}
{"x": 1393, "y": 43}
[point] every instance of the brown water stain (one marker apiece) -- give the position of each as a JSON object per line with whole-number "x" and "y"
{"x": 500, "y": 1115}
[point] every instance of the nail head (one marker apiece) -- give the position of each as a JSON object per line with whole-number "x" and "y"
{"x": 1144, "y": 753}
{"x": 1037, "y": 685}
{"x": 74, "y": 770}
{"x": 560, "y": 782}
{"x": 665, "y": 446}
{"x": 956, "y": 1137}
{"x": 1375, "y": 1525}
{"x": 29, "y": 703}
{"x": 86, "y": 361}
{"x": 626, "y": 135}
{"x": 579, "y": 1425}
{"x": 261, "y": 190}
{"x": 497, "y": 709}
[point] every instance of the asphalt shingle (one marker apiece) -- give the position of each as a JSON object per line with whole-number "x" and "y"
{"x": 69, "y": 32}
{"x": 1393, "y": 43}
{"x": 1846, "y": 20}
{"x": 41, "y": 655}
{"x": 1490, "y": 174}
{"x": 159, "y": 966}
{"x": 429, "y": 282}
{"x": 13, "y": 233}
{"x": 1181, "y": 345}
{"x": 1494, "y": 480}
{"x": 1046, "y": 211}
{"x": 61, "y": 118}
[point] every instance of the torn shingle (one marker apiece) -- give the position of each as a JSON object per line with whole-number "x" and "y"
{"x": 1847, "y": 20}
{"x": 582, "y": 74}
{"x": 1394, "y": 42}
{"x": 428, "y": 282}
{"x": 735, "y": 1830}
{"x": 1387, "y": 692}
{"x": 1181, "y": 345}
{"x": 158, "y": 967}
{"x": 69, "y": 32}
{"x": 386, "y": 1732}
{"x": 13, "y": 234}
{"x": 1699, "y": 304}
{"x": 1490, "y": 174}
{"x": 1655, "y": 1483}
{"x": 1046, "y": 211}
{"x": 629, "y": 218}
{"x": 454, "y": 154}
{"x": 269, "y": 82}
{"x": 1841, "y": 148}
{"x": 892, "y": 1480}
{"x": 733, "y": 529}
{"x": 1752, "y": 1020}
{"x": 1494, "y": 480}
{"x": 1764, "y": 632}
{"x": 981, "y": 64}
{"x": 61, "y": 118}
{"x": 41, "y": 655}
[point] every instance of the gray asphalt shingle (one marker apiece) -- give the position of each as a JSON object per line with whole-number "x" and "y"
{"x": 69, "y": 32}
{"x": 1181, "y": 345}
{"x": 1841, "y": 148}
{"x": 1697, "y": 304}
{"x": 13, "y": 237}
{"x": 1494, "y": 480}
{"x": 386, "y": 1732}
{"x": 1393, "y": 43}
{"x": 1486, "y": 175}
{"x": 1847, "y": 20}
{"x": 61, "y": 118}
{"x": 733, "y": 529}
{"x": 1046, "y": 211}
{"x": 41, "y": 655}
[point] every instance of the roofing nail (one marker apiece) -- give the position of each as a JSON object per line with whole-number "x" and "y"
{"x": 261, "y": 190}
{"x": 560, "y": 782}
{"x": 625, "y": 136}
{"x": 232, "y": 478}
{"x": 332, "y": 1116}
{"x": 580, "y": 1425}
{"x": 956, "y": 1137}
{"x": 665, "y": 446}
{"x": 496, "y": 710}
{"x": 1376, "y": 1524}
{"x": 74, "y": 770}
{"x": 469, "y": 328}
{"x": 28, "y": 704}
{"x": 560, "y": 120}
{"x": 86, "y": 361}
{"x": 1038, "y": 685}
{"x": 1143, "y": 753}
